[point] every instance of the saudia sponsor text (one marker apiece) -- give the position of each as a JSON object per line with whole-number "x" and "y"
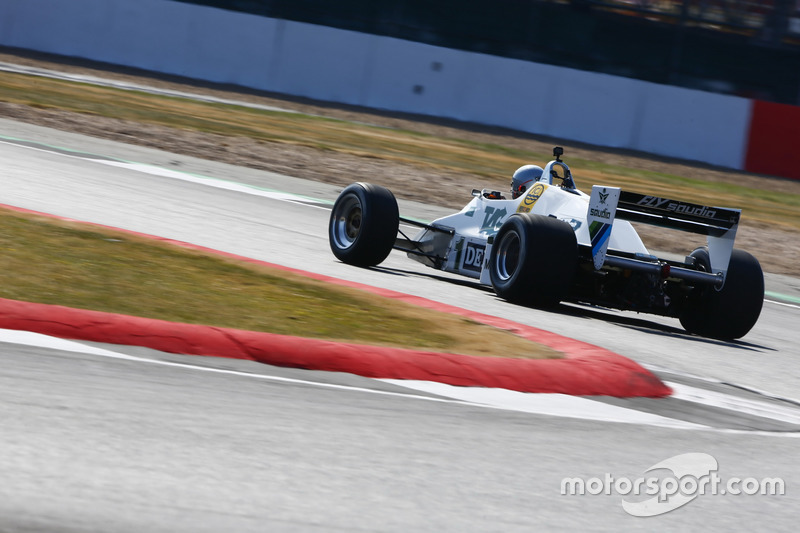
{"x": 605, "y": 213}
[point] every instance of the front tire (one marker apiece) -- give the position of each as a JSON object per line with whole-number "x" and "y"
{"x": 731, "y": 312}
{"x": 533, "y": 260}
{"x": 363, "y": 226}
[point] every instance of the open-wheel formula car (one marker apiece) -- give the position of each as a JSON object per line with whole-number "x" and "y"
{"x": 555, "y": 243}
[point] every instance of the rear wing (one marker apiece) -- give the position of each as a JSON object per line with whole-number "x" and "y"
{"x": 718, "y": 223}
{"x": 696, "y": 218}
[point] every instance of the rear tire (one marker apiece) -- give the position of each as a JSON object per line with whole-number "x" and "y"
{"x": 731, "y": 312}
{"x": 363, "y": 226}
{"x": 533, "y": 260}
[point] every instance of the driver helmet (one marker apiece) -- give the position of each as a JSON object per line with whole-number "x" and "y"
{"x": 523, "y": 178}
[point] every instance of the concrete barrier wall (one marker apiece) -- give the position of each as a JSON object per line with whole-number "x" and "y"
{"x": 694, "y": 125}
{"x": 386, "y": 73}
{"x": 156, "y": 35}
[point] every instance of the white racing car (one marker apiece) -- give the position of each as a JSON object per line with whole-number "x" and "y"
{"x": 555, "y": 243}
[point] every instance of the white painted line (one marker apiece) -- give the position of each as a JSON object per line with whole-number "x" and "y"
{"x": 197, "y": 179}
{"x": 129, "y": 86}
{"x": 784, "y": 304}
{"x": 28, "y": 338}
{"x": 657, "y": 369}
{"x": 735, "y": 403}
{"x": 561, "y": 405}
{"x": 212, "y": 182}
{"x": 558, "y": 405}
{"x": 546, "y": 404}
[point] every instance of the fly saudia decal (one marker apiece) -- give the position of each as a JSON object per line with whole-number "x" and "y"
{"x": 678, "y": 207}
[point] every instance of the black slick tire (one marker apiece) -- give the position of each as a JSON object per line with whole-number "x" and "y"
{"x": 363, "y": 225}
{"x": 732, "y": 311}
{"x": 533, "y": 260}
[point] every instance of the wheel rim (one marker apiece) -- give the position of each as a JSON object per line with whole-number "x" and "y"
{"x": 347, "y": 222}
{"x": 508, "y": 251}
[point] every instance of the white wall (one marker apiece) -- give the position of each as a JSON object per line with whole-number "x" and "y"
{"x": 157, "y": 35}
{"x": 694, "y": 125}
{"x": 381, "y": 72}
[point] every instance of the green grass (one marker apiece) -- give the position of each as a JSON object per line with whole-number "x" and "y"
{"x": 83, "y": 267}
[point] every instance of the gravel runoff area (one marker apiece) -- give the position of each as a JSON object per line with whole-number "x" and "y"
{"x": 777, "y": 249}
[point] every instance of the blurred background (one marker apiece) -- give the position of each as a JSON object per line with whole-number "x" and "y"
{"x": 748, "y": 48}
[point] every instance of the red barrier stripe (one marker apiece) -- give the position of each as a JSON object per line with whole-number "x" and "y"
{"x": 588, "y": 373}
{"x": 774, "y": 140}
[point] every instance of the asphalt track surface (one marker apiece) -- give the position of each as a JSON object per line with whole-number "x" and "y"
{"x": 93, "y": 440}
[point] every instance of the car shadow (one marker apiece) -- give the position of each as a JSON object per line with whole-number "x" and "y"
{"x": 588, "y": 311}
{"x": 460, "y": 281}
{"x": 648, "y": 326}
